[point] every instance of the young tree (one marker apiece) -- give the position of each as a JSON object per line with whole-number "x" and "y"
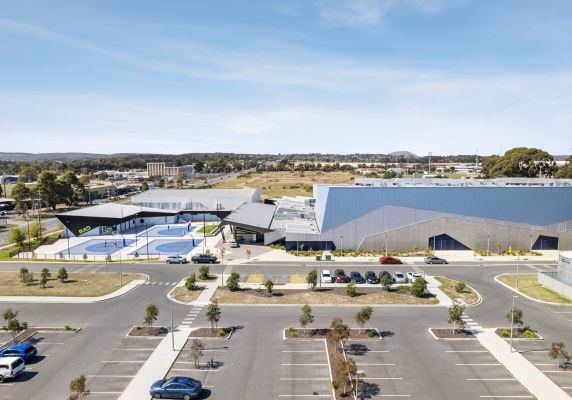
{"x": 312, "y": 279}
{"x": 455, "y": 313}
{"x": 363, "y": 316}
{"x": 248, "y": 254}
{"x": 44, "y": 275}
{"x": 351, "y": 289}
{"x": 418, "y": 287}
{"x": 341, "y": 376}
{"x": 62, "y": 275}
{"x": 180, "y": 179}
{"x": 232, "y": 283}
{"x": 78, "y": 388}
{"x": 460, "y": 287}
{"x": 338, "y": 330}
{"x": 269, "y": 285}
{"x": 23, "y": 272}
{"x": 517, "y": 317}
{"x": 306, "y": 316}
{"x": 213, "y": 314}
{"x": 29, "y": 279}
{"x": 386, "y": 282}
{"x": 17, "y": 236}
{"x": 191, "y": 282}
{"x": 36, "y": 230}
{"x": 204, "y": 272}
{"x": 557, "y": 352}
{"x": 151, "y": 314}
{"x": 352, "y": 371}
{"x": 197, "y": 348}
{"x": 12, "y": 324}
{"x": 21, "y": 195}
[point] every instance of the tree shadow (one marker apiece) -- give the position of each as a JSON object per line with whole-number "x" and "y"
{"x": 356, "y": 349}
{"x": 367, "y": 390}
{"x": 205, "y": 394}
{"x": 385, "y": 334}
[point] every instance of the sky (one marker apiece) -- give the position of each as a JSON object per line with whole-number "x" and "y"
{"x": 279, "y": 76}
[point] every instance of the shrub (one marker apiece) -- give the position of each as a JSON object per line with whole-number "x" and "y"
{"x": 370, "y": 333}
{"x": 269, "y": 285}
{"x": 505, "y": 332}
{"x": 191, "y": 283}
{"x": 460, "y": 287}
{"x": 232, "y": 282}
{"x": 418, "y": 287}
{"x": 69, "y": 328}
{"x": 221, "y": 333}
{"x": 138, "y": 328}
{"x": 351, "y": 289}
{"x": 204, "y": 272}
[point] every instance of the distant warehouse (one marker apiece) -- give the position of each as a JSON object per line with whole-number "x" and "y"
{"x": 401, "y": 214}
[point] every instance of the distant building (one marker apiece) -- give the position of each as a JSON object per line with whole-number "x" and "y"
{"x": 163, "y": 169}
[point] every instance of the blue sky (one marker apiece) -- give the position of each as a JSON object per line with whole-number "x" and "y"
{"x": 271, "y": 76}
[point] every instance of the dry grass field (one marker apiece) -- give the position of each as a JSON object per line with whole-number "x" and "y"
{"x": 286, "y": 183}
{"x": 184, "y": 295}
{"x": 80, "y": 284}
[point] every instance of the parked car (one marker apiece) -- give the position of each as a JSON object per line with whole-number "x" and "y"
{"x": 25, "y": 351}
{"x": 10, "y": 367}
{"x": 412, "y": 276}
{"x": 203, "y": 259}
{"x": 356, "y": 277}
{"x": 176, "y": 260}
{"x": 326, "y": 276}
{"x": 435, "y": 260}
{"x": 233, "y": 244}
{"x": 340, "y": 276}
{"x": 399, "y": 277}
{"x": 389, "y": 260}
{"x": 371, "y": 277}
{"x": 177, "y": 387}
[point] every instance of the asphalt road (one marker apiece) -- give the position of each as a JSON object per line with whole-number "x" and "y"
{"x": 256, "y": 361}
{"x": 49, "y": 224}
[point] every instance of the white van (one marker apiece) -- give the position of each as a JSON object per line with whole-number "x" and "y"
{"x": 10, "y": 367}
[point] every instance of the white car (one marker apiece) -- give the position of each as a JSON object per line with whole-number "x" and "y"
{"x": 326, "y": 276}
{"x": 10, "y": 367}
{"x": 399, "y": 277}
{"x": 412, "y": 276}
{"x": 176, "y": 260}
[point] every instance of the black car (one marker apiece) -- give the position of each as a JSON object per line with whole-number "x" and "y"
{"x": 370, "y": 277}
{"x": 203, "y": 259}
{"x": 435, "y": 260}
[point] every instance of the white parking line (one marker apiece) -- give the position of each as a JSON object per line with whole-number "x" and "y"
{"x": 50, "y": 343}
{"x": 92, "y": 392}
{"x": 466, "y": 351}
{"x": 558, "y": 372}
{"x": 359, "y": 364}
{"x": 562, "y": 312}
{"x": 195, "y": 370}
{"x": 304, "y": 379}
{"x": 394, "y": 395}
{"x": 305, "y": 395}
{"x": 304, "y": 364}
{"x": 142, "y": 349}
{"x": 367, "y": 378}
{"x": 110, "y": 376}
{"x": 491, "y": 379}
{"x": 483, "y": 365}
{"x": 507, "y": 397}
{"x": 122, "y": 361}
{"x": 303, "y": 351}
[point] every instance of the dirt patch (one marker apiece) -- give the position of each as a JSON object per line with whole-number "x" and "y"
{"x": 209, "y": 333}
{"x": 184, "y": 295}
{"x": 322, "y": 333}
{"x": 469, "y": 296}
{"x": 337, "y": 295}
{"x": 518, "y": 333}
{"x": 154, "y": 331}
{"x": 445, "y": 333}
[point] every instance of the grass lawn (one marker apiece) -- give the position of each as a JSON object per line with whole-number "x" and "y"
{"x": 207, "y": 229}
{"x": 285, "y": 183}
{"x": 448, "y": 287}
{"x": 184, "y": 295}
{"x": 528, "y": 284}
{"x": 79, "y": 284}
{"x": 324, "y": 296}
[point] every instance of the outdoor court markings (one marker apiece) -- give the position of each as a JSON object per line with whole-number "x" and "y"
{"x": 168, "y": 247}
{"x": 101, "y": 246}
{"x": 167, "y": 231}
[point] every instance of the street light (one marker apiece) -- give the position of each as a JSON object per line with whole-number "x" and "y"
{"x": 341, "y": 245}
{"x": 512, "y": 322}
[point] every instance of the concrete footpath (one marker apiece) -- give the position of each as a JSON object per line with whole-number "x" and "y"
{"x": 157, "y": 365}
{"x": 527, "y": 374}
{"x": 75, "y": 300}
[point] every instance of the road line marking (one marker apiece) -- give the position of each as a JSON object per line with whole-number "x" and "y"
{"x": 92, "y": 392}
{"x": 50, "y": 343}
{"x": 303, "y": 364}
{"x": 507, "y": 397}
{"x": 303, "y": 351}
{"x": 126, "y": 362}
{"x": 377, "y": 364}
{"x": 133, "y": 349}
{"x": 304, "y": 379}
{"x": 466, "y": 351}
{"x": 393, "y": 395}
{"x": 560, "y": 372}
{"x": 195, "y": 370}
{"x": 562, "y": 312}
{"x": 305, "y": 395}
{"x": 110, "y": 376}
{"x": 545, "y": 365}
{"x": 478, "y": 364}
{"x": 491, "y": 379}
{"x": 367, "y": 378}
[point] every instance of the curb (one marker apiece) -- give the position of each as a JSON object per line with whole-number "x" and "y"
{"x": 454, "y": 339}
{"x": 526, "y": 296}
{"x": 479, "y": 301}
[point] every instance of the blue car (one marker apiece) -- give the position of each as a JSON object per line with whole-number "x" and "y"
{"x": 25, "y": 351}
{"x": 356, "y": 277}
{"x": 177, "y": 387}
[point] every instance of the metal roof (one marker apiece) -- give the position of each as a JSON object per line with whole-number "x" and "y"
{"x": 111, "y": 210}
{"x": 190, "y": 194}
{"x": 253, "y": 215}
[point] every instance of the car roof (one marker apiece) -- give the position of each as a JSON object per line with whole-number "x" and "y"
{"x": 9, "y": 360}
{"x": 326, "y": 271}
{"x": 18, "y": 346}
{"x": 179, "y": 379}
{"x": 398, "y": 272}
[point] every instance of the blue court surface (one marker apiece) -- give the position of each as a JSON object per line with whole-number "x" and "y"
{"x": 170, "y": 247}
{"x": 101, "y": 246}
{"x": 168, "y": 230}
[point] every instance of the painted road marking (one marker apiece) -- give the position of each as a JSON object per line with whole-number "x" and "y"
{"x": 126, "y": 362}
{"x": 377, "y": 364}
{"x": 304, "y": 364}
{"x": 491, "y": 379}
{"x": 303, "y": 351}
{"x": 133, "y": 349}
{"x": 484, "y": 365}
{"x": 304, "y": 379}
{"x": 466, "y": 351}
{"x": 110, "y": 376}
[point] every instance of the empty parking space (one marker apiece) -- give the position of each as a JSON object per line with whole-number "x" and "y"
{"x": 537, "y": 353}
{"x": 485, "y": 377}
{"x": 304, "y": 370}
{"x": 118, "y": 366}
{"x": 379, "y": 362}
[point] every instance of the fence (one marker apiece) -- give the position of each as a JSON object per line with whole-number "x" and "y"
{"x": 551, "y": 281}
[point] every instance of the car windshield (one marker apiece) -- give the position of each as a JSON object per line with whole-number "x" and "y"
{"x": 399, "y": 275}
{"x": 29, "y": 349}
{"x": 17, "y": 363}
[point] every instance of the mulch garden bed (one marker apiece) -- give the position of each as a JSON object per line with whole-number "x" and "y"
{"x": 25, "y": 335}
{"x": 208, "y": 333}
{"x": 322, "y": 333}
{"x": 341, "y": 291}
{"x": 446, "y": 333}
{"x": 154, "y": 331}
{"x": 518, "y": 333}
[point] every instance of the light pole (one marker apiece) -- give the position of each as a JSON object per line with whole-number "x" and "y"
{"x": 386, "y": 244}
{"x": 488, "y": 243}
{"x": 512, "y": 322}
{"x": 341, "y": 245}
{"x": 222, "y": 251}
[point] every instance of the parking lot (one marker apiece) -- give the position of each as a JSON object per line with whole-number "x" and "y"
{"x": 537, "y": 353}
{"x": 118, "y": 366}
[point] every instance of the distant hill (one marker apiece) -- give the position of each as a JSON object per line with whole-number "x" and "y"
{"x": 405, "y": 154}
{"x": 50, "y": 156}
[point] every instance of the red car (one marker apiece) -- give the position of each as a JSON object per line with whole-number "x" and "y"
{"x": 389, "y": 260}
{"x": 341, "y": 276}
